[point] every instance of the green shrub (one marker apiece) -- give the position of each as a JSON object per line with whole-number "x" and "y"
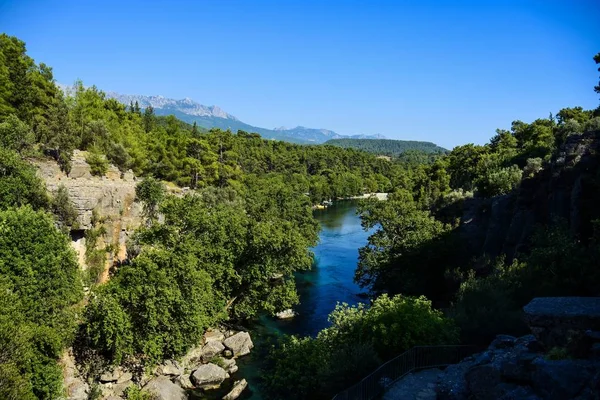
{"x": 97, "y": 162}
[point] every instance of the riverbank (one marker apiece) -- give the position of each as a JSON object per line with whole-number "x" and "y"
{"x": 377, "y": 195}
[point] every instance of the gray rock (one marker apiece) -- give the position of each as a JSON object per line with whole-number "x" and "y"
{"x": 229, "y": 365}
{"x": 211, "y": 350}
{"x": 127, "y": 376}
{"x": 240, "y": 343}
{"x": 213, "y": 335}
{"x": 560, "y": 379}
{"x": 163, "y": 389}
{"x": 482, "y": 381}
{"x": 503, "y": 342}
{"x": 112, "y": 375}
{"x": 208, "y": 376}
{"x": 78, "y": 390}
{"x": 169, "y": 367}
{"x": 236, "y": 391}
{"x": 227, "y": 353}
{"x": 553, "y": 319}
{"x": 185, "y": 382}
{"x": 192, "y": 358}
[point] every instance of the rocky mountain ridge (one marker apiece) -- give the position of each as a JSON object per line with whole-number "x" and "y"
{"x": 213, "y": 116}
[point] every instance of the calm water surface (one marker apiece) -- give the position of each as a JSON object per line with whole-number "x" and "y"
{"x": 330, "y": 281}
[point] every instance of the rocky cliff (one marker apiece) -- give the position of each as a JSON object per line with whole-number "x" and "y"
{"x": 566, "y": 191}
{"x": 106, "y": 204}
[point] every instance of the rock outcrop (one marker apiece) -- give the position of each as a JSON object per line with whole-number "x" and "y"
{"x": 563, "y": 192}
{"x": 533, "y": 367}
{"x": 110, "y": 198}
{"x": 204, "y": 367}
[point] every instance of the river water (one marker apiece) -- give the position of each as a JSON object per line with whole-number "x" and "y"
{"x": 331, "y": 280}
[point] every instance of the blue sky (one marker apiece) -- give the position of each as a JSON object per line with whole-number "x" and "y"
{"x": 450, "y": 72}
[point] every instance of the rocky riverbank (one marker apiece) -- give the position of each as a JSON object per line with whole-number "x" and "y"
{"x": 202, "y": 369}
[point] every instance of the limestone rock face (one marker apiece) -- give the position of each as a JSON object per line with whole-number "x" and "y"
{"x": 163, "y": 389}
{"x": 240, "y": 343}
{"x": 208, "y": 376}
{"x": 111, "y": 197}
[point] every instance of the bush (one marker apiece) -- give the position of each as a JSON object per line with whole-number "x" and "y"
{"x": 534, "y": 165}
{"x": 39, "y": 292}
{"x": 499, "y": 181}
{"x": 359, "y": 339}
{"x": 98, "y": 163}
{"x": 159, "y": 306}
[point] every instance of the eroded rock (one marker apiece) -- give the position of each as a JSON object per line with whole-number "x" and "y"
{"x": 236, "y": 391}
{"x": 163, "y": 389}
{"x": 208, "y": 376}
{"x": 240, "y": 344}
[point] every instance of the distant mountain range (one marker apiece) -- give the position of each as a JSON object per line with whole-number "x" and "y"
{"x": 190, "y": 111}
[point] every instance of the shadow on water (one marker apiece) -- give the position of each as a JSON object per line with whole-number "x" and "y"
{"x": 330, "y": 281}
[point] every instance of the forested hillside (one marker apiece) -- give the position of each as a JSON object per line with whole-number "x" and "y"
{"x": 246, "y": 218}
{"x": 478, "y": 233}
{"x": 465, "y": 239}
{"x": 387, "y": 147}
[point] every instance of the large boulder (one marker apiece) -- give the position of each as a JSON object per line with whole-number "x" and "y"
{"x": 482, "y": 381}
{"x": 236, "y": 391}
{"x": 162, "y": 388}
{"x": 561, "y": 379}
{"x": 240, "y": 344}
{"x": 556, "y": 320}
{"x": 208, "y": 376}
{"x": 213, "y": 335}
{"x": 211, "y": 349}
{"x": 169, "y": 367}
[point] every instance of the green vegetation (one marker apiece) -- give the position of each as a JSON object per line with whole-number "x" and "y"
{"x": 359, "y": 339}
{"x": 40, "y": 287}
{"x": 228, "y": 246}
{"x": 387, "y": 147}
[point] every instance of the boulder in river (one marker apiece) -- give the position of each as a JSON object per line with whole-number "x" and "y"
{"x": 240, "y": 344}
{"x": 208, "y": 376}
{"x": 211, "y": 349}
{"x": 236, "y": 391}
{"x": 286, "y": 314}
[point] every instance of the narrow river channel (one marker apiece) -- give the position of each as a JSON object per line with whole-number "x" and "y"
{"x": 331, "y": 280}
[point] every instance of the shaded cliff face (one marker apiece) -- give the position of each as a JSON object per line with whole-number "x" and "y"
{"x": 565, "y": 192}
{"x": 107, "y": 201}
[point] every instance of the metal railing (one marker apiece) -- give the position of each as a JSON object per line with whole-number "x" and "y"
{"x": 420, "y": 357}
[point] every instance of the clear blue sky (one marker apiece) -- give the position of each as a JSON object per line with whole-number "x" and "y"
{"x": 450, "y": 72}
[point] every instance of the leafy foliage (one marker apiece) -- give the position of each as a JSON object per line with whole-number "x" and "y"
{"x": 387, "y": 147}
{"x": 359, "y": 338}
{"x": 40, "y": 288}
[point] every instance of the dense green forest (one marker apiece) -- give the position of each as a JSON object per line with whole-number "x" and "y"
{"x": 387, "y": 147}
{"x": 212, "y": 254}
